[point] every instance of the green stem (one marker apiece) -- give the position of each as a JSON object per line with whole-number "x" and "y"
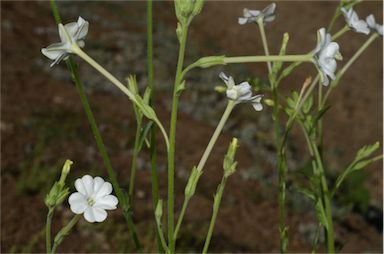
{"x": 115, "y": 81}
{"x": 231, "y": 104}
{"x": 255, "y": 59}
{"x": 96, "y": 133}
{"x": 153, "y": 145}
{"x": 340, "y": 32}
{"x": 260, "y": 22}
{"x": 180, "y": 220}
{"x": 326, "y": 200}
{"x": 172, "y": 139}
{"x": 216, "y": 205}
{"x": 64, "y": 232}
{"x": 134, "y": 161}
{"x": 48, "y": 230}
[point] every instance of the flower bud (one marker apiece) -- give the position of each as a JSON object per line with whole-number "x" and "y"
{"x": 159, "y": 210}
{"x": 229, "y": 163}
{"x": 209, "y": 61}
{"x": 65, "y": 172}
{"x": 192, "y": 182}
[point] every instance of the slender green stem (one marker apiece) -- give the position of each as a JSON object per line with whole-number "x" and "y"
{"x": 181, "y": 216}
{"x": 255, "y": 59}
{"x": 231, "y": 104}
{"x": 161, "y": 238}
{"x": 98, "y": 138}
{"x": 48, "y": 230}
{"x": 153, "y": 145}
{"x": 64, "y": 232}
{"x": 115, "y": 81}
{"x": 326, "y": 200}
{"x": 260, "y": 22}
{"x": 216, "y": 205}
{"x": 134, "y": 161}
{"x": 172, "y": 140}
{"x": 340, "y": 32}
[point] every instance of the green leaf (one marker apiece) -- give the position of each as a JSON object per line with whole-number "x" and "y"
{"x": 306, "y": 192}
{"x": 361, "y": 161}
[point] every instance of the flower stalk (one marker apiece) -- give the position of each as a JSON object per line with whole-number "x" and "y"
{"x": 172, "y": 137}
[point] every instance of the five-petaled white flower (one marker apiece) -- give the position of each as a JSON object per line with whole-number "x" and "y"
{"x": 353, "y": 21}
{"x": 70, "y": 33}
{"x": 93, "y": 198}
{"x": 373, "y": 25}
{"x": 241, "y": 93}
{"x": 251, "y": 16}
{"x": 325, "y": 55}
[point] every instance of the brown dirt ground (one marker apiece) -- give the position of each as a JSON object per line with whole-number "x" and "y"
{"x": 248, "y": 219}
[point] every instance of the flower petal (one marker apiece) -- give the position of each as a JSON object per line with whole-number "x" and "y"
{"x": 97, "y": 184}
{"x": 88, "y": 184}
{"x": 243, "y": 88}
{"x": 106, "y": 189}
{"x": 89, "y": 214}
{"x": 108, "y": 202}
{"x": 80, "y": 187}
{"x": 99, "y": 214}
{"x": 78, "y": 203}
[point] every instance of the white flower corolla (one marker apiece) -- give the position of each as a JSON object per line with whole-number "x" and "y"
{"x": 93, "y": 198}
{"x": 353, "y": 21}
{"x": 70, "y": 33}
{"x": 325, "y": 55}
{"x": 373, "y": 25}
{"x": 251, "y": 16}
{"x": 241, "y": 93}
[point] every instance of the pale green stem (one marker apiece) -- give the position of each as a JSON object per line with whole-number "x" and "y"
{"x": 255, "y": 59}
{"x": 181, "y": 216}
{"x": 231, "y": 104}
{"x": 134, "y": 161}
{"x": 172, "y": 139}
{"x": 48, "y": 230}
{"x": 340, "y": 32}
{"x": 161, "y": 237}
{"x": 153, "y": 143}
{"x": 216, "y": 205}
{"x": 75, "y": 49}
{"x": 64, "y": 232}
{"x": 260, "y": 22}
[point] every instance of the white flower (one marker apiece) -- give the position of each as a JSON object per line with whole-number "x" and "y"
{"x": 251, "y": 16}
{"x": 93, "y": 198}
{"x": 325, "y": 55}
{"x": 373, "y": 25}
{"x": 353, "y": 21}
{"x": 241, "y": 93}
{"x": 70, "y": 33}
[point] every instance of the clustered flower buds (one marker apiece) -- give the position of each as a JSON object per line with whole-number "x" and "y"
{"x": 92, "y": 198}
{"x": 71, "y": 33}
{"x": 325, "y": 55}
{"x": 373, "y": 25}
{"x": 353, "y": 21}
{"x": 251, "y": 16}
{"x": 241, "y": 93}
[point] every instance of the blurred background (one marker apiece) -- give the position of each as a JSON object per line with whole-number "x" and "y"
{"x": 43, "y": 123}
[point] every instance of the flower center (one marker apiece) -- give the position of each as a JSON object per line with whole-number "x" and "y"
{"x": 91, "y": 201}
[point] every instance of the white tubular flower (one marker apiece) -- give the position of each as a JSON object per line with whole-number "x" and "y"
{"x": 241, "y": 93}
{"x": 325, "y": 55}
{"x": 93, "y": 198}
{"x": 251, "y": 16}
{"x": 70, "y": 33}
{"x": 353, "y": 21}
{"x": 373, "y": 25}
